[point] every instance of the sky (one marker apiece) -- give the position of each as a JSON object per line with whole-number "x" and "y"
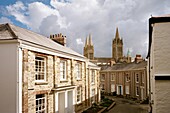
{"x": 76, "y": 19}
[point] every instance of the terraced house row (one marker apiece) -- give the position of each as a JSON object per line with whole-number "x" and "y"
{"x": 39, "y": 75}
{"x": 126, "y": 79}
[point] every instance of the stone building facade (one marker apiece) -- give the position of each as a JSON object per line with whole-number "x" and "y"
{"x": 117, "y": 52}
{"x": 126, "y": 79}
{"x": 89, "y": 48}
{"x": 159, "y": 64}
{"x": 39, "y": 75}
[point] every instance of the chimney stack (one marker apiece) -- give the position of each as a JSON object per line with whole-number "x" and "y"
{"x": 138, "y": 58}
{"x": 59, "y": 38}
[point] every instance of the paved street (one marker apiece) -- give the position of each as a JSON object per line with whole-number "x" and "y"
{"x": 128, "y": 106}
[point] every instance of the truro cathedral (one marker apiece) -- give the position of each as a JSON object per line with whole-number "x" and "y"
{"x": 118, "y": 75}
{"x": 117, "y": 52}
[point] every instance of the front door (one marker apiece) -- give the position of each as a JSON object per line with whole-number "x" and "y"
{"x": 119, "y": 90}
{"x": 61, "y": 102}
{"x": 70, "y": 102}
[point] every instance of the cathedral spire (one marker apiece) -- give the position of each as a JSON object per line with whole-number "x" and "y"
{"x": 87, "y": 41}
{"x": 117, "y": 34}
{"x": 90, "y": 40}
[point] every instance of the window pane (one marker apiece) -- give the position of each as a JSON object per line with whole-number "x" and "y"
{"x": 40, "y": 103}
{"x": 39, "y": 68}
{"x": 62, "y": 70}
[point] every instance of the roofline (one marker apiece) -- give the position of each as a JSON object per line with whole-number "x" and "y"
{"x": 11, "y": 31}
{"x": 9, "y": 41}
{"x": 122, "y": 70}
{"x": 17, "y": 37}
{"x": 94, "y": 67}
{"x": 154, "y": 20}
{"x": 24, "y": 42}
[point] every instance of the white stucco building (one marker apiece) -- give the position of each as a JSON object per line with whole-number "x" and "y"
{"x": 159, "y": 63}
{"x": 40, "y": 75}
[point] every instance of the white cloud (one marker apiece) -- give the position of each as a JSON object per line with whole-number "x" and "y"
{"x": 34, "y": 13}
{"x": 79, "y": 41}
{"x": 18, "y": 10}
{"x": 5, "y": 20}
{"x": 78, "y": 18}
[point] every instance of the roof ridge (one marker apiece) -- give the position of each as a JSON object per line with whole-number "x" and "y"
{"x": 38, "y": 39}
{"x": 10, "y": 30}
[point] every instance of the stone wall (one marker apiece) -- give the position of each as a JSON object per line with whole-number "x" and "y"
{"x": 31, "y": 87}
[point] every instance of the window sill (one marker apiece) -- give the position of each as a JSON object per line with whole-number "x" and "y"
{"x": 63, "y": 81}
{"x": 92, "y": 83}
{"x": 79, "y": 103}
{"x": 41, "y": 83}
{"x": 79, "y": 79}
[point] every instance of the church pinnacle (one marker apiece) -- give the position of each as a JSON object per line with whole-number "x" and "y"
{"x": 88, "y": 48}
{"x": 117, "y": 34}
{"x": 90, "y": 40}
{"x": 87, "y": 42}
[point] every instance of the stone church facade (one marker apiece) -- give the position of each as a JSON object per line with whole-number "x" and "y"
{"x": 117, "y": 52}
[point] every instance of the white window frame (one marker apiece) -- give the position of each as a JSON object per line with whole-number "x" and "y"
{"x": 78, "y": 71}
{"x": 112, "y": 77}
{"x": 143, "y": 78}
{"x": 127, "y": 77}
{"x": 112, "y": 88}
{"x": 127, "y": 90}
{"x": 79, "y": 93}
{"x": 137, "y": 78}
{"x": 137, "y": 91}
{"x": 40, "y": 68}
{"x": 41, "y": 104}
{"x": 63, "y": 67}
{"x": 93, "y": 77}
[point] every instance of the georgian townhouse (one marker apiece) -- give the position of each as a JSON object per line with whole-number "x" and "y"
{"x": 126, "y": 79}
{"x": 93, "y": 83}
{"x": 39, "y": 75}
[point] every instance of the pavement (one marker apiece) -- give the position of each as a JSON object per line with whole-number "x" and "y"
{"x": 127, "y": 106}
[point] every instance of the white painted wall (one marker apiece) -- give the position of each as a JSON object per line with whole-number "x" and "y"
{"x": 160, "y": 66}
{"x": 161, "y": 35}
{"x": 8, "y": 81}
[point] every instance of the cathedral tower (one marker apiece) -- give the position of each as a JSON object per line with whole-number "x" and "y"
{"x": 89, "y": 48}
{"x": 117, "y": 47}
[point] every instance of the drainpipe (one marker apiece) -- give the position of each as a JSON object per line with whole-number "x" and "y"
{"x": 150, "y": 37}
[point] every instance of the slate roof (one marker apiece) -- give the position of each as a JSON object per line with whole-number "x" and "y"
{"x": 11, "y": 32}
{"x": 90, "y": 64}
{"x": 126, "y": 66}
